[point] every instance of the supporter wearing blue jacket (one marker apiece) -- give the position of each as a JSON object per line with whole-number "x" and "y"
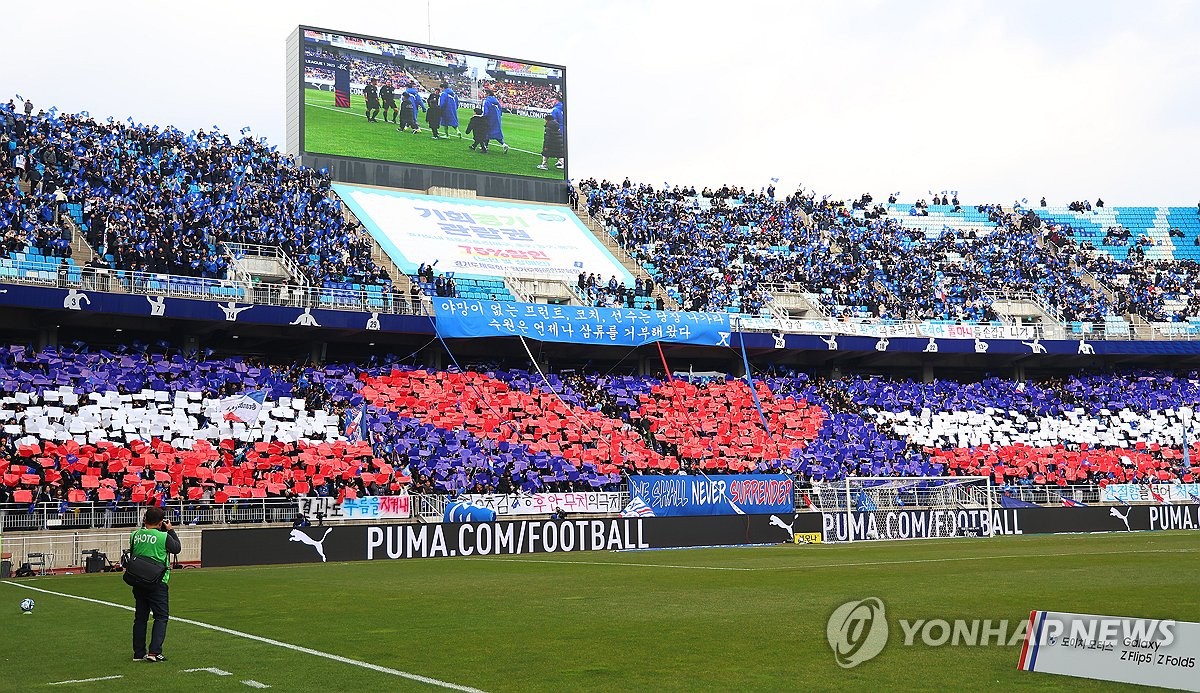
{"x": 491, "y": 115}
{"x": 559, "y": 111}
{"x": 449, "y": 105}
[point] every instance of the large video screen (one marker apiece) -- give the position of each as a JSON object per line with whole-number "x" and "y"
{"x": 387, "y": 100}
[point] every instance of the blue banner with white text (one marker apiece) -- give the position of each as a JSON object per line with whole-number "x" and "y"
{"x": 726, "y": 494}
{"x": 457, "y": 317}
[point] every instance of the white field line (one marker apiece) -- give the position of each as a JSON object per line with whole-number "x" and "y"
{"x": 268, "y": 641}
{"x": 98, "y": 678}
{"x": 616, "y": 563}
{"x": 621, "y": 564}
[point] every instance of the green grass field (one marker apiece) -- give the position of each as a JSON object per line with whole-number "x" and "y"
{"x": 750, "y": 619}
{"x": 346, "y": 132}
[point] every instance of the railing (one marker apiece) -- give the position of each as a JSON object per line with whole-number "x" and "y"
{"x": 67, "y": 550}
{"x": 238, "y": 251}
{"x": 529, "y": 290}
{"x": 17, "y": 517}
{"x": 599, "y": 228}
{"x": 175, "y": 286}
{"x": 517, "y": 289}
{"x": 1025, "y": 297}
{"x": 1087, "y": 494}
{"x": 860, "y": 326}
{"x": 65, "y": 539}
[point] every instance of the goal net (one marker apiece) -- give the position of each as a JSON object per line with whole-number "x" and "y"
{"x": 883, "y": 508}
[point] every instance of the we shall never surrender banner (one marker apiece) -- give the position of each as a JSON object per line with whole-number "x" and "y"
{"x": 457, "y": 317}
{"x": 726, "y": 494}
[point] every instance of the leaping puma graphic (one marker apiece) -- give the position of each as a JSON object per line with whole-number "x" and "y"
{"x": 303, "y": 538}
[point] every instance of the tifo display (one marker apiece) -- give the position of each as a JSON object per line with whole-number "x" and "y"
{"x": 83, "y": 425}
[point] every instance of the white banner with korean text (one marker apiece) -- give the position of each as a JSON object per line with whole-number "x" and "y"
{"x": 366, "y": 508}
{"x": 937, "y": 330}
{"x": 482, "y": 237}
{"x": 584, "y": 502}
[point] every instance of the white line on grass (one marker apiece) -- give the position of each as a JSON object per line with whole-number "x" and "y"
{"x": 833, "y": 565}
{"x": 98, "y": 678}
{"x": 617, "y": 563}
{"x": 972, "y": 558}
{"x": 268, "y": 641}
{"x": 359, "y": 115}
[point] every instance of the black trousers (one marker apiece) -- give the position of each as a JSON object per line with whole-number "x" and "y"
{"x": 147, "y": 601}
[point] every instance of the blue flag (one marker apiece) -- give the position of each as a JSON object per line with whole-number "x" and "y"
{"x": 1007, "y": 501}
{"x": 356, "y": 426}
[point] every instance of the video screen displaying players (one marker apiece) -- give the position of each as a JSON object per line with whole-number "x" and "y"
{"x": 392, "y": 101}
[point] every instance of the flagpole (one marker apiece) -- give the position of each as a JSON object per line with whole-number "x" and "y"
{"x": 1185, "y": 418}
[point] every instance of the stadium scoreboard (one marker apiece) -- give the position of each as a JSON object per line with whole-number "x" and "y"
{"x": 398, "y": 114}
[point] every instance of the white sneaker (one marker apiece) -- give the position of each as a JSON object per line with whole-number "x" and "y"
{"x": 542, "y": 166}
{"x": 558, "y": 165}
{"x": 506, "y": 149}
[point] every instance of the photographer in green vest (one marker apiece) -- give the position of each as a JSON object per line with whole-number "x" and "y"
{"x": 156, "y": 540}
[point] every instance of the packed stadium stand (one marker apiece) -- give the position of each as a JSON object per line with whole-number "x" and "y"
{"x": 143, "y": 424}
{"x": 158, "y": 200}
{"x": 730, "y": 250}
{"x": 521, "y": 94}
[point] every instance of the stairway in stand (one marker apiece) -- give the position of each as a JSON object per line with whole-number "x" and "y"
{"x": 624, "y": 257}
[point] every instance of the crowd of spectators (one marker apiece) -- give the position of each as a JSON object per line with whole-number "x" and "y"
{"x": 614, "y": 293}
{"x": 491, "y": 430}
{"x": 514, "y": 94}
{"x": 443, "y": 286}
{"x": 729, "y": 248}
{"x": 160, "y": 200}
{"x": 363, "y": 69}
{"x": 431, "y": 79}
{"x": 31, "y": 188}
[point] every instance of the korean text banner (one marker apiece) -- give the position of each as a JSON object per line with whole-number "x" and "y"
{"x": 1150, "y": 493}
{"x": 481, "y": 237}
{"x": 365, "y": 508}
{"x": 591, "y": 502}
{"x": 457, "y": 317}
{"x": 730, "y": 494}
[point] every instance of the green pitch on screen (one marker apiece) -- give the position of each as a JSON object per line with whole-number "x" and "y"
{"x": 346, "y": 132}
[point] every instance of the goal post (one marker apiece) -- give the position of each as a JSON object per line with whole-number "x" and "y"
{"x": 883, "y": 508}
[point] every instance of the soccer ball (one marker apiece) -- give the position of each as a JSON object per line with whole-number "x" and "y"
{"x": 27, "y": 606}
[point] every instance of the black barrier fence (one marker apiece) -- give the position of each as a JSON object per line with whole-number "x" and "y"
{"x": 930, "y": 524}
{"x": 234, "y": 547}
{"x": 230, "y": 547}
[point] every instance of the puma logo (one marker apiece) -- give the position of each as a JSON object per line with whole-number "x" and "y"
{"x": 778, "y": 522}
{"x": 303, "y": 538}
{"x": 1124, "y": 518}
